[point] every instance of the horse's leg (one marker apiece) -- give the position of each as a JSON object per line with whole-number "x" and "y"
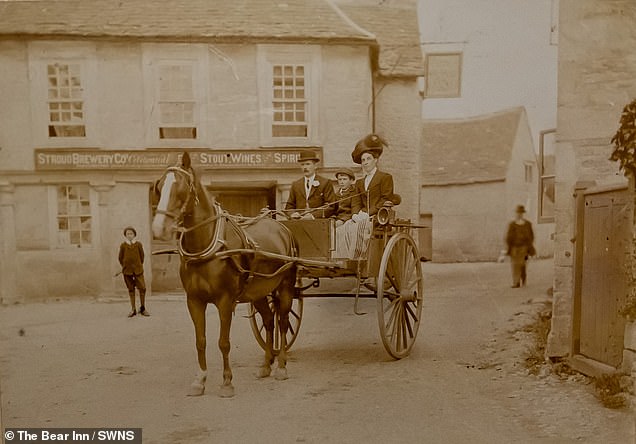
{"x": 268, "y": 321}
{"x": 197, "y": 313}
{"x": 226, "y": 309}
{"x": 286, "y": 292}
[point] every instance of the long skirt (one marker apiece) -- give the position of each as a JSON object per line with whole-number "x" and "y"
{"x": 352, "y": 239}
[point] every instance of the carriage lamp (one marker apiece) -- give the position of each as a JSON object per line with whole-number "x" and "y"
{"x": 386, "y": 214}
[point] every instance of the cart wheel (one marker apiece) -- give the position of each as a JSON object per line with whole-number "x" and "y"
{"x": 295, "y": 316}
{"x": 400, "y": 292}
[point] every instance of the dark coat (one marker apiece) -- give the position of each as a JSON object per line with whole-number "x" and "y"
{"x": 318, "y": 196}
{"x": 380, "y": 190}
{"x": 520, "y": 235}
{"x": 345, "y": 200}
{"x": 131, "y": 258}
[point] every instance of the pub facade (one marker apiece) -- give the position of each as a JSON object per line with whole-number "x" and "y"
{"x": 95, "y": 110}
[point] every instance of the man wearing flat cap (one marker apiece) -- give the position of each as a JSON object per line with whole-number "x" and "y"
{"x": 311, "y": 196}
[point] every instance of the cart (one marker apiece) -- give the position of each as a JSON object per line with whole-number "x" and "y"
{"x": 390, "y": 272}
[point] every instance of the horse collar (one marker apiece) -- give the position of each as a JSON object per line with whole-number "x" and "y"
{"x": 216, "y": 243}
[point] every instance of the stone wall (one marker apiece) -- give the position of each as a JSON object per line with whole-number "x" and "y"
{"x": 397, "y": 119}
{"x": 597, "y": 77}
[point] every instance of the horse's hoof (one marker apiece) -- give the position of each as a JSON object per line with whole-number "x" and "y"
{"x": 196, "y": 390}
{"x": 281, "y": 374}
{"x": 263, "y": 372}
{"x": 226, "y": 391}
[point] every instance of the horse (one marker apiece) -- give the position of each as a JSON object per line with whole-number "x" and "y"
{"x": 225, "y": 263}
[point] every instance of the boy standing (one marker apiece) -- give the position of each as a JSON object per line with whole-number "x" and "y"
{"x": 131, "y": 259}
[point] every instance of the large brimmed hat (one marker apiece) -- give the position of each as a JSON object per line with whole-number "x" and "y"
{"x": 308, "y": 155}
{"x": 369, "y": 144}
{"x": 131, "y": 229}
{"x": 348, "y": 171}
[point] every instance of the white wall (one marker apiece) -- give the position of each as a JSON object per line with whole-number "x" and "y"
{"x": 507, "y": 57}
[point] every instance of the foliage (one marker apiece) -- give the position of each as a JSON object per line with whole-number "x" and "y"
{"x": 628, "y": 309}
{"x": 625, "y": 139}
{"x": 538, "y": 329}
{"x": 610, "y": 391}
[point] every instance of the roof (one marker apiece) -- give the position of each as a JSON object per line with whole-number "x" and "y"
{"x": 397, "y": 32}
{"x": 190, "y": 20}
{"x": 464, "y": 151}
{"x": 393, "y": 28}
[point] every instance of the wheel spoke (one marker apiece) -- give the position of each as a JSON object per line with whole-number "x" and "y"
{"x": 407, "y": 320}
{"x": 391, "y": 306}
{"x": 399, "y": 307}
{"x": 410, "y": 311}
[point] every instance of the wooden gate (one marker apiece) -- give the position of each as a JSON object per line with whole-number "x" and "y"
{"x": 604, "y": 218}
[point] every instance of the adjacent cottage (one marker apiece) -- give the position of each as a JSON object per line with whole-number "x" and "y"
{"x": 473, "y": 173}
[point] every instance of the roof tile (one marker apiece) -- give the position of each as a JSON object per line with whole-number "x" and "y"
{"x": 467, "y": 151}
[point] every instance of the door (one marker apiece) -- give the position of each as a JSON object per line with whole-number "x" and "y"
{"x": 606, "y": 242}
{"x": 245, "y": 202}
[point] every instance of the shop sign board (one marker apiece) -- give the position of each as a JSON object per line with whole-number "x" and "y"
{"x": 157, "y": 159}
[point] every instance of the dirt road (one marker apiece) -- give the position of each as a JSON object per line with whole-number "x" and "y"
{"x": 84, "y": 364}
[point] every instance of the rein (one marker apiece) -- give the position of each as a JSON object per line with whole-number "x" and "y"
{"x": 216, "y": 243}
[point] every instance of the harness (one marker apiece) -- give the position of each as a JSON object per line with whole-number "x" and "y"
{"x": 217, "y": 247}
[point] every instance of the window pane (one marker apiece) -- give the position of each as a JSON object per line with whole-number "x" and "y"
{"x": 75, "y": 237}
{"x": 63, "y": 238}
{"x": 86, "y": 238}
{"x": 288, "y": 88}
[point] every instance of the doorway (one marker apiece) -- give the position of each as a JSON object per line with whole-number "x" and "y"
{"x": 245, "y": 202}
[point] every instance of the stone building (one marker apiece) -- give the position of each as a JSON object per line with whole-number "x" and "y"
{"x": 484, "y": 58}
{"x": 469, "y": 196}
{"x": 99, "y": 97}
{"x": 597, "y": 77}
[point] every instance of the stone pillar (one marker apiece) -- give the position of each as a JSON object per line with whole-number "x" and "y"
{"x": 8, "y": 250}
{"x": 106, "y": 281}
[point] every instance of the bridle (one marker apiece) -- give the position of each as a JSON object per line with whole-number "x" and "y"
{"x": 216, "y": 243}
{"x": 192, "y": 194}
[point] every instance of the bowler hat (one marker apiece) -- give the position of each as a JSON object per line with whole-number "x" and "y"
{"x": 346, "y": 171}
{"x": 520, "y": 209}
{"x": 308, "y": 155}
{"x": 131, "y": 229}
{"x": 369, "y": 144}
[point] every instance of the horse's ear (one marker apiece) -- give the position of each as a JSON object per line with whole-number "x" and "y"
{"x": 186, "y": 163}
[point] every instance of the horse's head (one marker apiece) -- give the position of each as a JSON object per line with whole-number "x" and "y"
{"x": 176, "y": 194}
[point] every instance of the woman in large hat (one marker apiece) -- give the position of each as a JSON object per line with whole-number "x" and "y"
{"x": 376, "y": 187}
{"x": 370, "y": 194}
